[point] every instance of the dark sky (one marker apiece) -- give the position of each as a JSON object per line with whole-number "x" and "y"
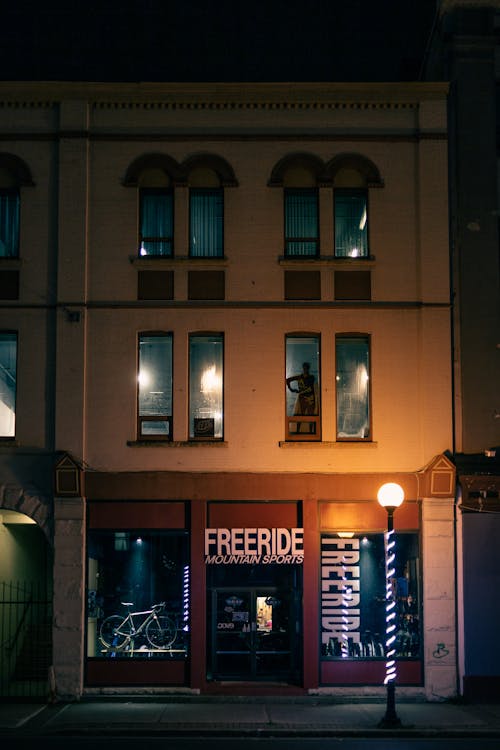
{"x": 214, "y": 40}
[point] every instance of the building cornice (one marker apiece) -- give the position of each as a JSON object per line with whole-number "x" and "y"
{"x": 221, "y": 96}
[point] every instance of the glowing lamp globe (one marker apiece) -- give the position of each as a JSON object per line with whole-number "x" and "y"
{"x": 390, "y": 495}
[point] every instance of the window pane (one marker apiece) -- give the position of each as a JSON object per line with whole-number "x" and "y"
{"x": 155, "y": 385}
{"x": 156, "y": 222}
{"x": 352, "y": 382}
{"x": 206, "y": 386}
{"x": 8, "y": 376}
{"x": 9, "y": 223}
{"x": 302, "y": 386}
{"x": 351, "y": 224}
{"x": 206, "y": 222}
{"x": 301, "y": 222}
{"x": 144, "y": 568}
{"x": 353, "y": 596}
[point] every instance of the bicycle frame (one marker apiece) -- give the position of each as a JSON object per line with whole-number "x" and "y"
{"x": 152, "y": 614}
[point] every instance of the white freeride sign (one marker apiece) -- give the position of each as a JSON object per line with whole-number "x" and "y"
{"x": 254, "y": 546}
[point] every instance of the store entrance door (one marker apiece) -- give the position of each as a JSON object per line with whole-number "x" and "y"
{"x": 254, "y": 634}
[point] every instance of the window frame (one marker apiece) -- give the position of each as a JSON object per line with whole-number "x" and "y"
{"x": 16, "y": 193}
{"x": 289, "y": 192}
{"x": 208, "y": 191}
{"x": 15, "y": 336}
{"x": 353, "y": 438}
{"x": 168, "y": 193}
{"x": 361, "y": 191}
{"x": 312, "y": 419}
{"x": 144, "y": 419}
{"x": 191, "y": 416}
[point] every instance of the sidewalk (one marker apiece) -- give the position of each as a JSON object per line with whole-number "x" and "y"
{"x": 309, "y": 716}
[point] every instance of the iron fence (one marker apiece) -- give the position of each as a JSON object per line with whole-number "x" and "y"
{"x": 25, "y": 639}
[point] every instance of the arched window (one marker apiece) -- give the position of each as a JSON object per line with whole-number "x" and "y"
{"x": 300, "y": 175}
{"x": 352, "y": 175}
{"x": 207, "y": 175}
{"x": 155, "y": 176}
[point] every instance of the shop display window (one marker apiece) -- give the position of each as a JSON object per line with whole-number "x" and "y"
{"x": 138, "y": 594}
{"x": 353, "y": 596}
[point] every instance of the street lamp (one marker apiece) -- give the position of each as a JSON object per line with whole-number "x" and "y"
{"x": 390, "y": 497}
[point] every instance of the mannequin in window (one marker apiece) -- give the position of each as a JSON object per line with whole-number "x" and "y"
{"x": 306, "y": 403}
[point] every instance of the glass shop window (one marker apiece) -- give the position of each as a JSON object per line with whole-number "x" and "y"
{"x": 137, "y": 594}
{"x": 206, "y": 382}
{"x": 302, "y": 388}
{"x": 154, "y": 383}
{"x": 353, "y": 596}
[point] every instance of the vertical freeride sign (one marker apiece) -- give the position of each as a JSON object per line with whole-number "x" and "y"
{"x": 340, "y": 591}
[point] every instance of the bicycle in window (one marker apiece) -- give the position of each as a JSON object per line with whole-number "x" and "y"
{"x": 118, "y": 632}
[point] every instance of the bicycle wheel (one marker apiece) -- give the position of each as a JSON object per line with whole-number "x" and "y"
{"x": 161, "y": 632}
{"x": 111, "y": 634}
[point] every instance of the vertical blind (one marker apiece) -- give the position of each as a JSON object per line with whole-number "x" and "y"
{"x": 206, "y": 214}
{"x": 301, "y": 222}
{"x": 351, "y": 224}
{"x": 9, "y": 223}
{"x": 156, "y": 222}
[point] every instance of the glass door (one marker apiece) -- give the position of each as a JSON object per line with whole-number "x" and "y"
{"x": 253, "y": 634}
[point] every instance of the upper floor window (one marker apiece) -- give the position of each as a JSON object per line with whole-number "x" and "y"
{"x": 154, "y": 389}
{"x": 352, "y": 354}
{"x": 8, "y": 381}
{"x": 206, "y": 222}
{"x": 301, "y": 222}
{"x": 9, "y": 222}
{"x": 303, "y": 388}
{"x": 156, "y": 222}
{"x": 351, "y": 223}
{"x": 206, "y": 386}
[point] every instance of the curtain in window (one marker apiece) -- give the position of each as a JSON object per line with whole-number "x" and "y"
{"x": 206, "y": 223}
{"x": 301, "y": 222}
{"x": 9, "y": 224}
{"x": 351, "y": 225}
{"x": 8, "y": 379}
{"x": 156, "y": 223}
{"x": 352, "y": 382}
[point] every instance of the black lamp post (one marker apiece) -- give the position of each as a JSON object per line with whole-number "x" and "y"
{"x": 390, "y": 497}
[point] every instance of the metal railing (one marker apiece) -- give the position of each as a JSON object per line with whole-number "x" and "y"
{"x": 25, "y": 639}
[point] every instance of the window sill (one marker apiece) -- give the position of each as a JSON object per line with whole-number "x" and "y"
{"x": 176, "y": 443}
{"x": 10, "y": 264}
{"x": 161, "y": 261}
{"x": 7, "y": 442}
{"x": 326, "y": 260}
{"x": 326, "y": 444}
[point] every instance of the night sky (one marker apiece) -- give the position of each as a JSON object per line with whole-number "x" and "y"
{"x": 214, "y": 40}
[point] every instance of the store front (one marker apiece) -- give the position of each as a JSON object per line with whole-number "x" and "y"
{"x": 276, "y": 594}
{"x": 254, "y": 592}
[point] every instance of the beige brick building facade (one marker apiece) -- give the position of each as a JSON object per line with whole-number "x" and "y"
{"x": 205, "y": 223}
